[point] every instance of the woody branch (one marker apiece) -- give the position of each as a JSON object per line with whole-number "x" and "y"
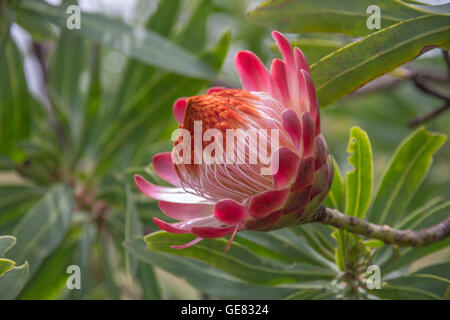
{"x": 384, "y": 233}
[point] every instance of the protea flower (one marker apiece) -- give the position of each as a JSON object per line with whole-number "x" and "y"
{"x": 216, "y": 200}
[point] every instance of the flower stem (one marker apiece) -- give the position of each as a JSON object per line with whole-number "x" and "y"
{"x": 384, "y": 233}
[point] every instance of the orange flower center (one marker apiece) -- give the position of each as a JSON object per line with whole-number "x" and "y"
{"x": 220, "y": 110}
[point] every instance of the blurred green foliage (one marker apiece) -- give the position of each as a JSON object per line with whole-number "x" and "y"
{"x": 104, "y": 108}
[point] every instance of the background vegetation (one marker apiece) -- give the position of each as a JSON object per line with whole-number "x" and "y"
{"x": 81, "y": 111}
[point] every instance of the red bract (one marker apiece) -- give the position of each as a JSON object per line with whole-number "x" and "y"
{"x": 215, "y": 200}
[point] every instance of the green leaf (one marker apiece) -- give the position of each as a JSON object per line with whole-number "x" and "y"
{"x": 15, "y": 201}
{"x": 354, "y": 65}
{"x": 439, "y": 272}
{"x": 42, "y": 229}
{"x": 138, "y": 75}
{"x": 145, "y": 272}
{"x": 12, "y": 278}
{"x": 336, "y": 199}
{"x": 416, "y": 218}
{"x": 336, "y": 196}
{"x": 5, "y": 265}
{"x": 315, "y": 294}
{"x": 15, "y": 100}
{"x": 83, "y": 259}
{"x": 374, "y": 243}
{"x": 359, "y": 182}
{"x": 404, "y": 292}
{"x": 148, "y": 281}
{"x": 283, "y": 245}
{"x": 43, "y": 155}
{"x": 193, "y": 37}
{"x": 349, "y": 17}
{"x": 141, "y": 44}
{"x": 409, "y": 255}
{"x": 443, "y": 9}
{"x": 164, "y": 18}
{"x": 207, "y": 278}
{"x": 340, "y": 252}
{"x": 38, "y": 29}
{"x": 50, "y": 282}
{"x": 12, "y": 282}
{"x": 109, "y": 266}
{"x": 91, "y": 111}
{"x": 403, "y": 176}
{"x": 6, "y": 243}
{"x": 316, "y": 49}
{"x": 319, "y": 238}
{"x": 429, "y": 283}
{"x": 133, "y": 228}
{"x": 239, "y": 261}
{"x": 69, "y": 82}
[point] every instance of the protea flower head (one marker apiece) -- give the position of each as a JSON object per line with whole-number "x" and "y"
{"x": 213, "y": 200}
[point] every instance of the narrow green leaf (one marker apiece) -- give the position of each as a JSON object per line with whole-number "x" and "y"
{"x": 382, "y": 255}
{"x": 315, "y": 294}
{"x": 239, "y": 261}
{"x": 141, "y": 44}
{"x": 6, "y": 243}
{"x": 349, "y": 17}
{"x": 433, "y": 216}
{"x": 12, "y": 282}
{"x": 359, "y": 182}
{"x": 50, "y": 282}
{"x": 133, "y": 228}
{"x": 315, "y": 237}
{"x": 285, "y": 243}
{"x": 354, "y": 65}
{"x": 267, "y": 246}
{"x": 358, "y": 193}
{"x": 5, "y": 265}
{"x": 414, "y": 219}
{"x": 164, "y": 18}
{"x": 193, "y": 37}
{"x": 69, "y": 81}
{"x": 336, "y": 196}
{"x": 443, "y": 9}
{"x": 83, "y": 258}
{"x": 316, "y": 49}
{"x": 409, "y": 255}
{"x": 429, "y": 283}
{"x": 15, "y": 100}
{"x": 207, "y": 278}
{"x": 138, "y": 75}
{"x": 12, "y": 278}
{"x": 339, "y": 251}
{"x": 41, "y": 230}
{"x": 336, "y": 199}
{"x": 403, "y": 176}
{"x": 405, "y": 292}
{"x": 15, "y": 201}
{"x": 374, "y": 243}
{"x": 38, "y": 29}
{"x": 91, "y": 113}
{"x": 148, "y": 281}
{"x": 109, "y": 266}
